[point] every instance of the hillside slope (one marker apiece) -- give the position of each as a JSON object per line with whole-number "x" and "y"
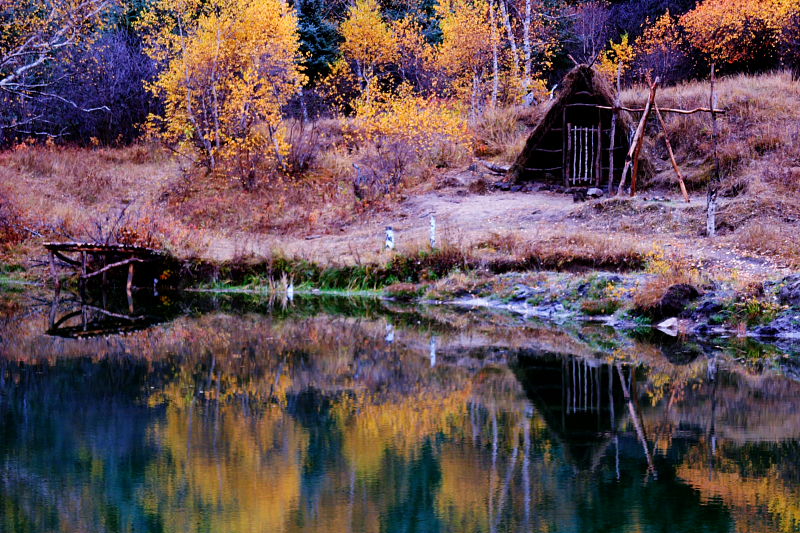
{"x": 78, "y": 192}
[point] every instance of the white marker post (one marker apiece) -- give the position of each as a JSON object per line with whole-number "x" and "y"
{"x": 433, "y": 231}
{"x": 389, "y": 334}
{"x": 433, "y": 351}
{"x": 389, "y": 238}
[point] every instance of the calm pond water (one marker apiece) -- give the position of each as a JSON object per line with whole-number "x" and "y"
{"x": 351, "y": 416}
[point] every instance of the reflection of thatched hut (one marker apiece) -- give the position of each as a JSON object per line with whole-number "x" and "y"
{"x": 571, "y": 144}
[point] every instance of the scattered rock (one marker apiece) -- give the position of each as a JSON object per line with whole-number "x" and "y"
{"x": 790, "y": 292}
{"x": 675, "y": 300}
{"x": 708, "y": 308}
{"x": 767, "y": 332}
{"x": 594, "y": 192}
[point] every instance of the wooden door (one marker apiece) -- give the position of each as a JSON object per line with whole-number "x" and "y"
{"x": 583, "y": 149}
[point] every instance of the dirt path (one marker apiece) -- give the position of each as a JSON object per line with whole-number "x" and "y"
{"x": 464, "y": 219}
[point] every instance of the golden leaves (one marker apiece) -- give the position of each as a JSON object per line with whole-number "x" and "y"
{"x": 231, "y": 65}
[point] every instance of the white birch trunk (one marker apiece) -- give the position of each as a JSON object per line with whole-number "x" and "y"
{"x": 526, "y": 46}
{"x": 495, "y": 59}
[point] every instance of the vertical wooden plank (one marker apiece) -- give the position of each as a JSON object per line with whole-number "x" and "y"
{"x": 565, "y": 148}
{"x": 598, "y": 158}
{"x": 567, "y": 167}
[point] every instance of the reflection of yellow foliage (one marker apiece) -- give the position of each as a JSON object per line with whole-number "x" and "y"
{"x": 464, "y": 490}
{"x": 370, "y": 428}
{"x": 247, "y": 480}
{"x": 749, "y": 497}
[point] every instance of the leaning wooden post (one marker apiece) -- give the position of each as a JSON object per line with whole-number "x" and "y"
{"x": 636, "y": 144}
{"x": 671, "y": 153}
{"x": 713, "y": 184}
{"x": 637, "y": 153}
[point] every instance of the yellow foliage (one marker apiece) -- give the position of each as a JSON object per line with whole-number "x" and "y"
{"x": 466, "y": 46}
{"x": 368, "y": 40}
{"x": 421, "y": 123}
{"x": 230, "y": 66}
{"x": 618, "y": 57}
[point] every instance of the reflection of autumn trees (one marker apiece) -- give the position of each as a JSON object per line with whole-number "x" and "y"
{"x": 245, "y": 423}
{"x": 235, "y": 473}
{"x": 760, "y": 496}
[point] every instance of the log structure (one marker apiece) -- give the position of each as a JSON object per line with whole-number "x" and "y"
{"x": 583, "y": 137}
{"x": 586, "y": 138}
{"x": 97, "y": 261}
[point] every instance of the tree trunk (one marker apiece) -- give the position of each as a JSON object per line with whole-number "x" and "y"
{"x": 495, "y": 53}
{"x": 512, "y": 41}
{"x": 526, "y": 46}
{"x": 713, "y": 184}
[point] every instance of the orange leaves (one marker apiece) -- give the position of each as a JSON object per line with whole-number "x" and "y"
{"x": 662, "y": 37}
{"x": 734, "y": 32}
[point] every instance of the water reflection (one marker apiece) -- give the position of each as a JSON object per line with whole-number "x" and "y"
{"x": 346, "y": 418}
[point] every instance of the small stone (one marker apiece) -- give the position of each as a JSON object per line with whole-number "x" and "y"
{"x": 766, "y": 331}
{"x": 669, "y": 326}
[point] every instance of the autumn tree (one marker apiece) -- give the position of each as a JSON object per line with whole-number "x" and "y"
{"x": 590, "y": 30}
{"x": 617, "y": 59}
{"x": 369, "y": 43}
{"x": 738, "y": 33}
{"x": 466, "y": 51}
{"x": 229, "y": 68}
{"x": 663, "y": 50}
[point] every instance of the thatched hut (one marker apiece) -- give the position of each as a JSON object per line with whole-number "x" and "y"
{"x": 571, "y": 145}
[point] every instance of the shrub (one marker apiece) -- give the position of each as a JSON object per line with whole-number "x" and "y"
{"x": 604, "y": 306}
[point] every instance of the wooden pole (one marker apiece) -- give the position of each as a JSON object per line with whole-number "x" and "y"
{"x": 614, "y": 113}
{"x": 713, "y": 184}
{"x": 567, "y": 145}
{"x": 671, "y": 153}
{"x": 129, "y": 285}
{"x": 632, "y": 159}
{"x": 663, "y": 109}
{"x": 54, "y": 270}
{"x": 650, "y": 103}
{"x": 568, "y": 167}
{"x": 598, "y": 164}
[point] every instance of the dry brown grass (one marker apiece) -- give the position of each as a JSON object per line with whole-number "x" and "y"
{"x": 759, "y": 130}
{"x": 563, "y": 249}
{"x": 501, "y": 133}
{"x": 769, "y": 237}
{"x": 667, "y": 271}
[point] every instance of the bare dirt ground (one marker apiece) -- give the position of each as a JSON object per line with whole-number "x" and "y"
{"x": 653, "y": 219}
